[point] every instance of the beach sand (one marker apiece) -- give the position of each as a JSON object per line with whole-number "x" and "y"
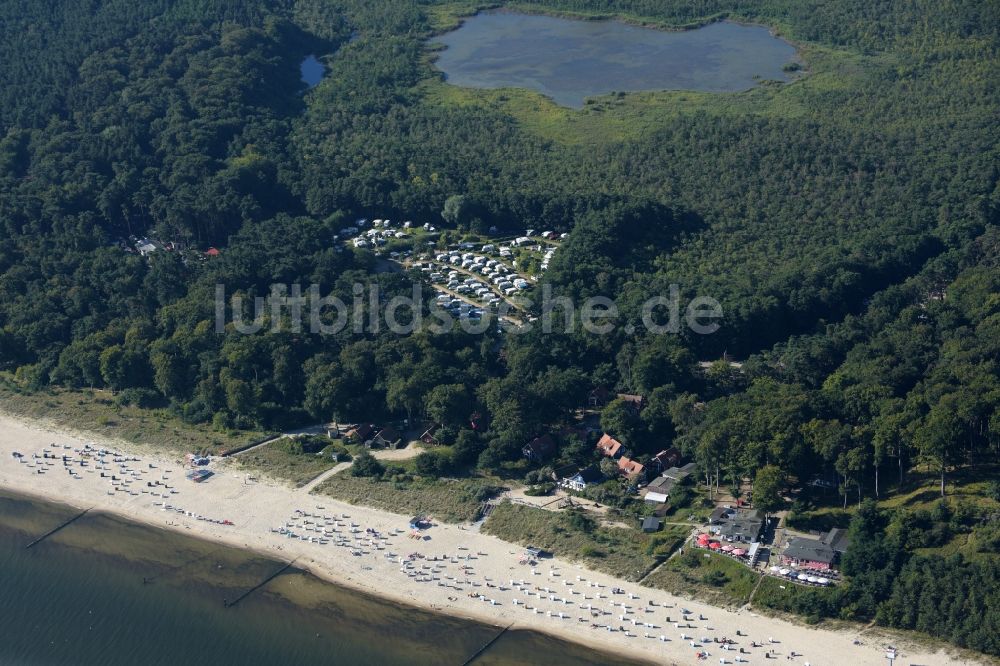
{"x": 256, "y": 509}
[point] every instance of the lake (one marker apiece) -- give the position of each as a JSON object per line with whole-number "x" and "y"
{"x": 104, "y": 591}
{"x": 570, "y": 60}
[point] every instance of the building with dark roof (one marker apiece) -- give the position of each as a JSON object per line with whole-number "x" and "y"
{"x": 598, "y": 397}
{"x": 665, "y": 459}
{"x": 635, "y": 402}
{"x": 719, "y": 515}
{"x": 837, "y": 539}
{"x": 582, "y": 479}
{"x": 387, "y": 438}
{"x": 429, "y": 436}
{"x": 539, "y": 449}
{"x": 678, "y": 473}
{"x": 810, "y": 553}
{"x": 651, "y": 524}
{"x": 659, "y": 489}
{"x": 743, "y": 526}
{"x": 360, "y": 433}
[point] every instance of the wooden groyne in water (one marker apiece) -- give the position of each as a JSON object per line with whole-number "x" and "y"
{"x": 59, "y": 527}
{"x": 480, "y": 651}
{"x": 230, "y": 604}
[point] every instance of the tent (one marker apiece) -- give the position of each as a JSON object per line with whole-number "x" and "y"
{"x": 823, "y": 581}
{"x": 803, "y": 577}
{"x": 784, "y": 572}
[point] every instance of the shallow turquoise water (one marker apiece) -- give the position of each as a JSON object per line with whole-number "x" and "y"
{"x": 570, "y": 60}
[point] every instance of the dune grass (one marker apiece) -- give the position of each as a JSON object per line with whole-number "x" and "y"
{"x": 447, "y": 500}
{"x": 97, "y": 412}
{"x": 624, "y": 552}
{"x": 697, "y": 573}
{"x": 276, "y": 461}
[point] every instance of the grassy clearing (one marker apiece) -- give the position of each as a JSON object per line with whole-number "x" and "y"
{"x": 715, "y": 578}
{"x": 448, "y": 500}
{"x": 922, "y": 490}
{"x": 276, "y": 461}
{"x": 446, "y": 17}
{"x": 614, "y": 118}
{"x": 96, "y": 412}
{"x": 623, "y": 552}
{"x": 967, "y": 488}
{"x": 441, "y": 14}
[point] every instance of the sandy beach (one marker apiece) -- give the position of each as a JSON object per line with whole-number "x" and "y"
{"x": 450, "y": 568}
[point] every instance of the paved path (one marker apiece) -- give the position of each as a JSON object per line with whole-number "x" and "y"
{"x": 336, "y": 469}
{"x": 410, "y": 451}
{"x": 317, "y": 429}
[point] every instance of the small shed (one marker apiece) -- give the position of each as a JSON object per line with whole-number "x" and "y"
{"x": 651, "y": 524}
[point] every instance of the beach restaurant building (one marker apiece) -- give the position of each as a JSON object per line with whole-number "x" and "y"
{"x": 809, "y": 553}
{"x": 820, "y": 553}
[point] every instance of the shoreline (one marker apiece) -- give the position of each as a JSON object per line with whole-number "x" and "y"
{"x": 257, "y": 509}
{"x": 433, "y": 49}
{"x": 326, "y": 577}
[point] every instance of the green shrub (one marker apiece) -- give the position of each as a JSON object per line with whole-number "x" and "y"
{"x": 366, "y": 465}
{"x": 139, "y": 397}
{"x": 591, "y": 551}
{"x": 343, "y": 455}
{"x": 434, "y": 464}
{"x": 715, "y": 578}
{"x": 580, "y": 522}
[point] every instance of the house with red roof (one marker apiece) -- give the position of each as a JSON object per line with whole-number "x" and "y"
{"x": 609, "y": 446}
{"x": 429, "y": 436}
{"x": 630, "y": 468}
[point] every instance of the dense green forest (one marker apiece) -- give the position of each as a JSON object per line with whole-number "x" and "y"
{"x": 846, "y": 222}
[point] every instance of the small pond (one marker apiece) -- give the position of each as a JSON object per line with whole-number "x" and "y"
{"x": 312, "y": 71}
{"x": 570, "y": 60}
